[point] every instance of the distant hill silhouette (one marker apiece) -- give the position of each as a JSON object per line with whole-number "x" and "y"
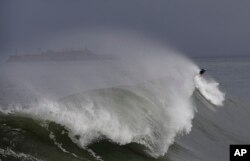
{"x": 65, "y": 55}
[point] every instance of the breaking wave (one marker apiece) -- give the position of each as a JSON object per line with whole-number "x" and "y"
{"x": 150, "y": 112}
{"x": 144, "y": 95}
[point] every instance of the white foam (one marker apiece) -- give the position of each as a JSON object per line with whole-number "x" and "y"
{"x": 151, "y": 113}
{"x": 210, "y": 90}
{"x": 22, "y": 156}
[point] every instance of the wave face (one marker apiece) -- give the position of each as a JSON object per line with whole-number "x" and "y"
{"x": 143, "y": 100}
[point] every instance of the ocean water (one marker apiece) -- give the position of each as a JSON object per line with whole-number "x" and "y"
{"x": 152, "y": 108}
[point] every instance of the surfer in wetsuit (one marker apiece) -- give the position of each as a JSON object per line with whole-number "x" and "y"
{"x": 202, "y": 71}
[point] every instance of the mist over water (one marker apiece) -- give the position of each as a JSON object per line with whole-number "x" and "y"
{"x": 133, "y": 60}
{"x": 143, "y": 94}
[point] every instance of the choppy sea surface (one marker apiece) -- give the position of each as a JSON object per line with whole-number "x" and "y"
{"x": 145, "y": 110}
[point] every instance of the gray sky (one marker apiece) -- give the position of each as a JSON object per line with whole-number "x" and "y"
{"x": 195, "y": 27}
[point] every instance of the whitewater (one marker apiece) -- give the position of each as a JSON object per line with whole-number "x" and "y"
{"x": 144, "y": 98}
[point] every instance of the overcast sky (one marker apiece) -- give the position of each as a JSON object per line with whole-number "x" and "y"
{"x": 195, "y": 27}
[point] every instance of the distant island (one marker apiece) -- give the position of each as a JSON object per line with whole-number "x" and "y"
{"x": 64, "y": 55}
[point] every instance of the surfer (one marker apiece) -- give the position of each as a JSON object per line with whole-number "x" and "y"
{"x": 202, "y": 71}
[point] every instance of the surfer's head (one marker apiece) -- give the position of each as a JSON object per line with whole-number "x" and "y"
{"x": 202, "y": 71}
